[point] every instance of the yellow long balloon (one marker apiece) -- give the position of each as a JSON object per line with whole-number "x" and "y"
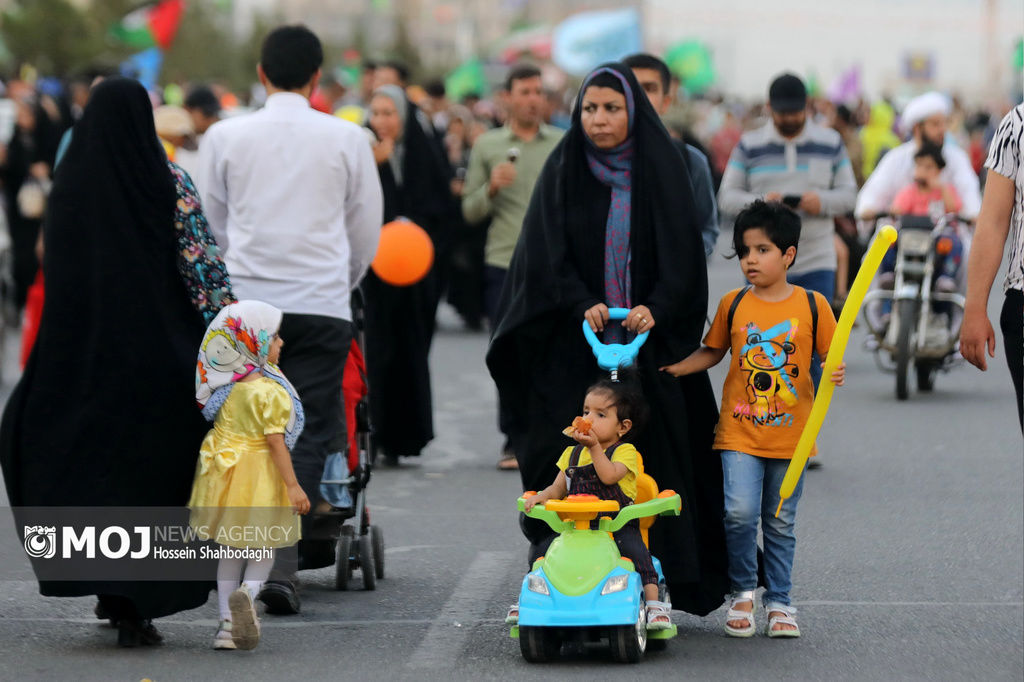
{"x": 868, "y": 267}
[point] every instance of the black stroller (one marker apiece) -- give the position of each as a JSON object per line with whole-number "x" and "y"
{"x": 359, "y": 544}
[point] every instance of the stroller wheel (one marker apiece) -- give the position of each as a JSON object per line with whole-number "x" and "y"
{"x": 377, "y": 539}
{"x": 343, "y": 564}
{"x": 366, "y": 562}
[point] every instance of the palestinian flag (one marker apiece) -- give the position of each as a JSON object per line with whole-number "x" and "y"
{"x": 152, "y": 25}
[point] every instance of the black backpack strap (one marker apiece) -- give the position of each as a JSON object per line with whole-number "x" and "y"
{"x": 574, "y": 458}
{"x": 733, "y": 307}
{"x": 814, "y": 319}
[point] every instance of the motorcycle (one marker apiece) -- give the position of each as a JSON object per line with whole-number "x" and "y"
{"x": 916, "y": 333}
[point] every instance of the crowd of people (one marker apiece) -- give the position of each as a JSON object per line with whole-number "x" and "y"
{"x": 544, "y": 208}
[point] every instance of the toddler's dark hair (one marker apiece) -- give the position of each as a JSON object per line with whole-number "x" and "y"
{"x": 931, "y": 151}
{"x": 779, "y": 222}
{"x": 627, "y": 398}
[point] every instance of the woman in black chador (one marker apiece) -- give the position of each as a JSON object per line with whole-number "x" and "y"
{"x": 415, "y": 177}
{"x": 610, "y": 224}
{"x": 105, "y": 414}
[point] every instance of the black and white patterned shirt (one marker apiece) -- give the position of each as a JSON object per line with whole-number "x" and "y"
{"x": 1005, "y": 158}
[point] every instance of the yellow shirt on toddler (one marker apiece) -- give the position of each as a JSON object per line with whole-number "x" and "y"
{"x": 624, "y": 453}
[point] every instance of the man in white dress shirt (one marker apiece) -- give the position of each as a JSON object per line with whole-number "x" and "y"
{"x": 926, "y": 118}
{"x": 294, "y": 200}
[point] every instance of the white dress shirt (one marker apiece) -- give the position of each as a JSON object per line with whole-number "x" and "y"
{"x": 896, "y": 170}
{"x": 294, "y": 200}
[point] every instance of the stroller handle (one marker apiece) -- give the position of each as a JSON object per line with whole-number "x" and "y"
{"x": 614, "y": 356}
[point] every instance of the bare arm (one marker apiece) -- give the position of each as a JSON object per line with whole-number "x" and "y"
{"x": 608, "y": 471}
{"x": 555, "y": 491}
{"x": 283, "y": 461}
{"x": 993, "y": 226}
{"x": 699, "y": 360}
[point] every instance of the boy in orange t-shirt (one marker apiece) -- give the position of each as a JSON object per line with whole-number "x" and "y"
{"x": 772, "y": 327}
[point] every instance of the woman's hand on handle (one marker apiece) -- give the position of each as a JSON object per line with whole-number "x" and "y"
{"x": 639, "y": 320}
{"x": 298, "y": 499}
{"x": 597, "y": 317}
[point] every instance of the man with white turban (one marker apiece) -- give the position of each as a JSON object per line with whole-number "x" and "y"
{"x": 926, "y": 119}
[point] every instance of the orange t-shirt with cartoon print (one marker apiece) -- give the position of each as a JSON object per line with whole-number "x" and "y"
{"x": 768, "y": 392}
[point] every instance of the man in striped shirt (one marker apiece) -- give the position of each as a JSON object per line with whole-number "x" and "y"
{"x": 804, "y": 165}
{"x": 1002, "y": 217}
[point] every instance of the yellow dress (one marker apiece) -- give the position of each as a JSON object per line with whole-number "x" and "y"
{"x": 238, "y": 496}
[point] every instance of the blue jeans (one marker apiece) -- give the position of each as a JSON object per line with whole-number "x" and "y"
{"x": 824, "y": 282}
{"x": 752, "y": 494}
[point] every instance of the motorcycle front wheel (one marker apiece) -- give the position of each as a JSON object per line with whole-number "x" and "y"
{"x": 906, "y": 316}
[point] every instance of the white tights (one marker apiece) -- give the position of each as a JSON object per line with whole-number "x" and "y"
{"x": 229, "y": 577}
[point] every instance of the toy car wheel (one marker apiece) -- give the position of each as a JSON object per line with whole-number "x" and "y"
{"x": 343, "y": 562}
{"x": 628, "y": 642}
{"x": 377, "y": 537}
{"x": 366, "y": 562}
{"x": 539, "y": 645}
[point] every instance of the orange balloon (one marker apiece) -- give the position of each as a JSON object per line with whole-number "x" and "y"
{"x": 405, "y": 253}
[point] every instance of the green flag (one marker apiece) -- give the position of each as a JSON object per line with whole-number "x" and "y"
{"x": 468, "y": 78}
{"x": 1018, "y": 57}
{"x": 691, "y": 61}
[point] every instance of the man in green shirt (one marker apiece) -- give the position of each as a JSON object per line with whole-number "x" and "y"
{"x": 504, "y": 165}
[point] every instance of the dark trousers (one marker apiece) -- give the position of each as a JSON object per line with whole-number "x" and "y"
{"x": 313, "y": 358}
{"x": 1012, "y": 323}
{"x": 494, "y": 280}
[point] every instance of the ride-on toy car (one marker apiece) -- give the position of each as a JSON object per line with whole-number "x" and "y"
{"x": 582, "y": 589}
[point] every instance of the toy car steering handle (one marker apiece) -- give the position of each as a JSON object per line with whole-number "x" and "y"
{"x": 614, "y": 356}
{"x": 670, "y": 505}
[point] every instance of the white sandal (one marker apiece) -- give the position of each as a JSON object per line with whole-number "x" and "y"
{"x": 786, "y": 619}
{"x": 513, "y": 615}
{"x": 659, "y": 615}
{"x": 222, "y": 640}
{"x": 737, "y": 614}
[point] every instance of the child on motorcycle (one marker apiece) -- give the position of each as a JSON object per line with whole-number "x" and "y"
{"x": 603, "y": 464}
{"x": 765, "y": 403}
{"x": 928, "y": 196}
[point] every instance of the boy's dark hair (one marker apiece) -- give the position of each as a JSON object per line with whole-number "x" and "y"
{"x": 400, "y": 68}
{"x": 931, "y": 151}
{"x": 626, "y": 396}
{"x": 202, "y": 98}
{"x": 643, "y": 60}
{"x": 291, "y": 56}
{"x": 520, "y": 72}
{"x": 780, "y": 224}
{"x": 435, "y": 88}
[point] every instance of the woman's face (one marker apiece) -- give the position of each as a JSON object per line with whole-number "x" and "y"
{"x": 605, "y": 117}
{"x": 384, "y": 118}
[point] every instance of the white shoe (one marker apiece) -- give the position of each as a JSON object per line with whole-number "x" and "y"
{"x": 222, "y": 640}
{"x": 245, "y": 625}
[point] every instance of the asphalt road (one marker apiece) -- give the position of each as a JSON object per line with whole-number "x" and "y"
{"x": 909, "y": 565}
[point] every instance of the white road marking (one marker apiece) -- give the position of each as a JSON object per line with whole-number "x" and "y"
{"x": 464, "y": 609}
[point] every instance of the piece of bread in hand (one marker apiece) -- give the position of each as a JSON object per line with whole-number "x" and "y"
{"x": 578, "y": 424}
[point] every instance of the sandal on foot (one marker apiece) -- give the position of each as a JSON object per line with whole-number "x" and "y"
{"x": 737, "y": 614}
{"x": 785, "y": 619}
{"x": 245, "y": 625}
{"x": 222, "y": 640}
{"x": 513, "y": 615}
{"x": 659, "y": 615}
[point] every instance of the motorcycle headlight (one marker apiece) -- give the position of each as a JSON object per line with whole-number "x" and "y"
{"x": 535, "y": 583}
{"x": 617, "y": 583}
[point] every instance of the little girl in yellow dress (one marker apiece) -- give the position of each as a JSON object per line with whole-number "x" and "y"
{"x": 245, "y": 495}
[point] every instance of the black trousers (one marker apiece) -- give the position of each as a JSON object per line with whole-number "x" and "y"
{"x": 1012, "y": 323}
{"x": 313, "y": 358}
